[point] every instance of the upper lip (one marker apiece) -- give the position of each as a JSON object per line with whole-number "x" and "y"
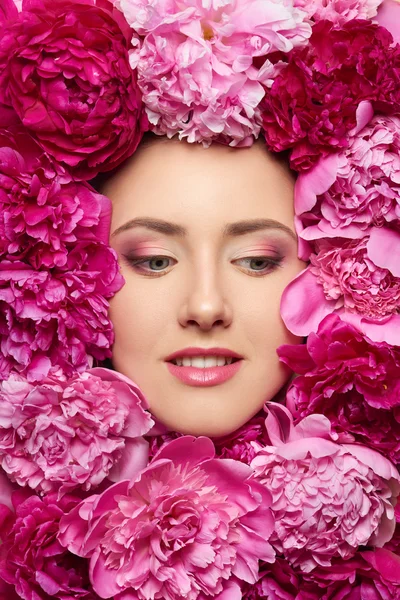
{"x": 203, "y": 352}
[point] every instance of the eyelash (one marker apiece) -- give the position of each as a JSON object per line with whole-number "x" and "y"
{"x": 273, "y": 263}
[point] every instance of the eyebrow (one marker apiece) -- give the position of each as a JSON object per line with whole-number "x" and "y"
{"x": 231, "y": 230}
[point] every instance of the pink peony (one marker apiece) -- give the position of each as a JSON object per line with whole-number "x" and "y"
{"x": 42, "y": 213}
{"x": 182, "y": 528}
{"x": 241, "y": 444}
{"x": 69, "y": 433}
{"x": 353, "y": 278}
{"x": 57, "y": 318}
{"x": 327, "y": 498}
{"x": 347, "y": 193}
{"x": 313, "y": 103}
{"x": 197, "y": 62}
{"x": 339, "y": 11}
{"x": 64, "y": 67}
{"x": 351, "y": 380}
{"x": 32, "y": 560}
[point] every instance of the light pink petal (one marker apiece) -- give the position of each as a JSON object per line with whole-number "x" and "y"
{"x": 378, "y": 463}
{"x": 316, "y": 447}
{"x": 303, "y": 304}
{"x": 387, "y": 330}
{"x": 315, "y": 182}
{"x": 325, "y": 230}
{"x": 134, "y": 458}
{"x": 364, "y": 114}
{"x": 383, "y": 249}
{"x": 389, "y": 17}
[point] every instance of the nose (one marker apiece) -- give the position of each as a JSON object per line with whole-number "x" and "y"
{"x": 205, "y": 304}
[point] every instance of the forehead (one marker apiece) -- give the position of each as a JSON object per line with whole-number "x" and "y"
{"x": 193, "y": 185}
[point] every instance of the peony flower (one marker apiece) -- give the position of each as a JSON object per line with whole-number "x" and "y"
{"x": 353, "y": 278}
{"x": 201, "y": 65}
{"x": 351, "y": 380}
{"x": 64, "y": 68}
{"x": 182, "y": 528}
{"x": 339, "y": 11}
{"x": 241, "y": 444}
{"x": 328, "y": 499}
{"x": 313, "y": 103}
{"x": 57, "y": 318}
{"x": 42, "y": 213}
{"x": 70, "y": 433}
{"x": 347, "y": 193}
{"x": 32, "y": 560}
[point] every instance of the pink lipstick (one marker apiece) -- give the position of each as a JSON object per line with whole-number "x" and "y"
{"x": 213, "y": 366}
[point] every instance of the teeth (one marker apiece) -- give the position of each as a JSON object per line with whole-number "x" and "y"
{"x": 203, "y": 362}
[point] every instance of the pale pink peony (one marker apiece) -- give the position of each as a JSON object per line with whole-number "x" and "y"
{"x": 64, "y": 68}
{"x": 357, "y": 279}
{"x": 339, "y": 11}
{"x": 328, "y": 498}
{"x": 389, "y": 17}
{"x": 57, "y": 318}
{"x": 201, "y": 65}
{"x": 70, "y": 433}
{"x": 182, "y": 528}
{"x": 347, "y": 193}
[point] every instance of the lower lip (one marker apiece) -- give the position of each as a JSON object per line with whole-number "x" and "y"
{"x": 205, "y": 377}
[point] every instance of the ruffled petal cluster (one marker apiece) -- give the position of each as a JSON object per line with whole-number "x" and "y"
{"x": 327, "y": 498}
{"x": 70, "y": 433}
{"x": 357, "y": 279}
{"x": 43, "y": 214}
{"x": 182, "y": 528}
{"x": 312, "y": 106}
{"x": 351, "y": 380}
{"x": 32, "y": 560}
{"x": 57, "y": 317}
{"x": 201, "y": 65}
{"x": 64, "y": 68}
{"x": 347, "y": 193}
{"x": 339, "y": 11}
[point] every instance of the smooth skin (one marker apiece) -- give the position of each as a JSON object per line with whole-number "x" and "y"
{"x": 206, "y": 244}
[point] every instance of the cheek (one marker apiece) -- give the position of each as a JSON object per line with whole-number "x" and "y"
{"x": 138, "y": 314}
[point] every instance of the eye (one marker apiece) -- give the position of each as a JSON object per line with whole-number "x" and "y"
{"x": 260, "y": 265}
{"x": 150, "y": 265}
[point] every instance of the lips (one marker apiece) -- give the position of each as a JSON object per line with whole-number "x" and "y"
{"x": 204, "y": 367}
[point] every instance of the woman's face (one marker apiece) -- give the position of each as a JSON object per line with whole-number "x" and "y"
{"x": 206, "y": 244}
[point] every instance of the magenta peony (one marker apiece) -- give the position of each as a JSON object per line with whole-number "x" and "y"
{"x": 347, "y": 193}
{"x": 182, "y": 528}
{"x": 64, "y": 67}
{"x": 328, "y": 499}
{"x": 8, "y": 11}
{"x": 241, "y": 444}
{"x": 42, "y": 213}
{"x": 312, "y": 105}
{"x": 197, "y": 63}
{"x": 32, "y": 561}
{"x": 70, "y": 433}
{"x": 57, "y": 318}
{"x": 351, "y": 380}
{"x": 339, "y": 11}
